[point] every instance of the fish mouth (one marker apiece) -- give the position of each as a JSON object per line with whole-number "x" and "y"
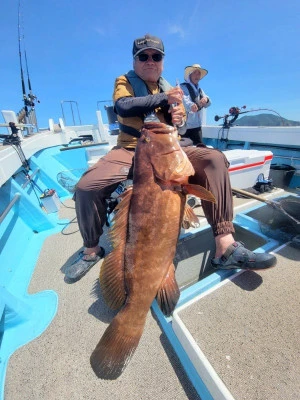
{"x": 171, "y": 152}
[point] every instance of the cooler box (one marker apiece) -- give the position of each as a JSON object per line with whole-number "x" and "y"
{"x": 246, "y": 166}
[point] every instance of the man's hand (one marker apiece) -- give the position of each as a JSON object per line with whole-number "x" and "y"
{"x": 194, "y": 108}
{"x": 175, "y": 95}
{"x": 203, "y": 101}
{"x": 177, "y": 115}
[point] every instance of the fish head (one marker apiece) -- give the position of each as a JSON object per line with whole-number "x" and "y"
{"x": 168, "y": 160}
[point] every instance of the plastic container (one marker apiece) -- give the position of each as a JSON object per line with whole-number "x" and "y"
{"x": 281, "y": 174}
{"x": 50, "y": 201}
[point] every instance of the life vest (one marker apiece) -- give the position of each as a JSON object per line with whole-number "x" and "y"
{"x": 140, "y": 89}
{"x": 192, "y": 91}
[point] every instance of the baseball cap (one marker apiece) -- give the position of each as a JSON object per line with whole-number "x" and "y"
{"x": 147, "y": 42}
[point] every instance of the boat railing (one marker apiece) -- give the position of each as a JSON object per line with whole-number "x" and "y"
{"x": 71, "y": 105}
{"x": 16, "y": 197}
{"x": 31, "y": 176}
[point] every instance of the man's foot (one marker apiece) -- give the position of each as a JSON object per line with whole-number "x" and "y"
{"x": 83, "y": 264}
{"x": 237, "y": 256}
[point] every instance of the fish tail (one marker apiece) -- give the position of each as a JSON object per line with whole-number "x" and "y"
{"x": 115, "y": 348}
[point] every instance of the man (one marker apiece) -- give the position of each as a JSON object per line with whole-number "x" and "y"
{"x": 137, "y": 94}
{"x": 194, "y": 101}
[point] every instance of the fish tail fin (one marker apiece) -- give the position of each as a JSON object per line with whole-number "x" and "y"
{"x": 199, "y": 191}
{"x": 115, "y": 348}
{"x": 168, "y": 293}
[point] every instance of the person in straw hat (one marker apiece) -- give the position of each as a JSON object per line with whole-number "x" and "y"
{"x": 194, "y": 101}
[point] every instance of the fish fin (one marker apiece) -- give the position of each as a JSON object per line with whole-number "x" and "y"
{"x": 116, "y": 347}
{"x": 112, "y": 280}
{"x": 118, "y": 232}
{"x": 189, "y": 219}
{"x": 199, "y": 191}
{"x": 168, "y": 293}
{"x": 111, "y": 277}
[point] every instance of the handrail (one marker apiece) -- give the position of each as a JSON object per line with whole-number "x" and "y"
{"x": 31, "y": 176}
{"x": 71, "y": 105}
{"x": 9, "y": 207}
{"x": 5, "y": 125}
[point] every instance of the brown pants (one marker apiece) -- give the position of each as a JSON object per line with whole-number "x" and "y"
{"x": 211, "y": 171}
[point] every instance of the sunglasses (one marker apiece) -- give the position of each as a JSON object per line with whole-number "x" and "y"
{"x": 157, "y": 57}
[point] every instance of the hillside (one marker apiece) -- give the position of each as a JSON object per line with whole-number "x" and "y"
{"x": 264, "y": 120}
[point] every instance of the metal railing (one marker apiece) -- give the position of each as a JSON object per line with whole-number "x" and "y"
{"x": 71, "y": 102}
{"x": 16, "y": 197}
{"x": 30, "y": 176}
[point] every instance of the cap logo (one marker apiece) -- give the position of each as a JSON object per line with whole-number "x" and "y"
{"x": 145, "y": 41}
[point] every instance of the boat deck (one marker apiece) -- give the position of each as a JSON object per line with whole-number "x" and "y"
{"x": 55, "y": 366}
{"x": 247, "y": 330}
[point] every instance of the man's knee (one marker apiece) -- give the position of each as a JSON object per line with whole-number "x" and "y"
{"x": 218, "y": 159}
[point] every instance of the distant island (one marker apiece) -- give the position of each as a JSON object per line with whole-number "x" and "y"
{"x": 264, "y": 120}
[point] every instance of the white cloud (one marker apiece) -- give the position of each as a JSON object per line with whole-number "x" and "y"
{"x": 176, "y": 30}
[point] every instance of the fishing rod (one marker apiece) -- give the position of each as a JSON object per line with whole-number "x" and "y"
{"x": 14, "y": 139}
{"x": 235, "y": 112}
{"x": 21, "y": 64}
{"x": 30, "y": 98}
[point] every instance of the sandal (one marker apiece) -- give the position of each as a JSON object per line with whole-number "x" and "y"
{"x": 81, "y": 266}
{"x": 238, "y": 257}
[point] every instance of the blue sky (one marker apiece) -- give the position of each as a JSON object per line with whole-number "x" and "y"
{"x": 76, "y": 49}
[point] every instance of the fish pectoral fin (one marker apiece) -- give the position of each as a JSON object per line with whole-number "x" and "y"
{"x": 168, "y": 293}
{"x": 116, "y": 347}
{"x": 199, "y": 191}
{"x": 112, "y": 280}
{"x": 190, "y": 219}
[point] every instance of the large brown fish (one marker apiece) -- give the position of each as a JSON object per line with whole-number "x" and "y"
{"x": 144, "y": 235}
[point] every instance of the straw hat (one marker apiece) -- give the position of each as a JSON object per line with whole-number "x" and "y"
{"x": 191, "y": 68}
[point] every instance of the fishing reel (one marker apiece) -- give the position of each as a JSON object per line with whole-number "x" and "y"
{"x": 12, "y": 139}
{"x": 234, "y": 112}
{"x": 29, "y": 100}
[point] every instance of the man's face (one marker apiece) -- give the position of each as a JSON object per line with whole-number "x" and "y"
{"x": 148, "y": 70}
{"x": 195, "y": 77}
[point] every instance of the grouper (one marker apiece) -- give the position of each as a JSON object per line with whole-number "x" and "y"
{"x": 144, "y": 235}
